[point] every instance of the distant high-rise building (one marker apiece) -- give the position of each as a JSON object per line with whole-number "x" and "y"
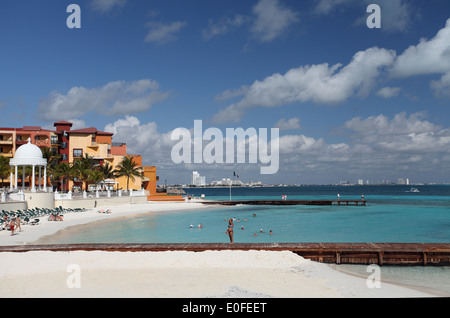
{"x": 360, "y": 181}
{"x": 197, "y": 179}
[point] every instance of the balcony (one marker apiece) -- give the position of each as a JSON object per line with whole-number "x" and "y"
{"x": 40, "y": 143}
{"x": 22, "y": 139}
{"x": 7, "y": 154}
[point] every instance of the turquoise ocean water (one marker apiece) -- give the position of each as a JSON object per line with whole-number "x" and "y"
{"x": 393, "y": 214}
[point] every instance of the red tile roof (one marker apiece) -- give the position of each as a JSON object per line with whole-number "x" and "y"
{"x": 63, "y": 122}
{"x": 90, "y": 130}
{"x": 35, "y": 128}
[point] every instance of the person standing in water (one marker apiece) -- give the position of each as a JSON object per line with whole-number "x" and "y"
{"x": 230, "y": 230}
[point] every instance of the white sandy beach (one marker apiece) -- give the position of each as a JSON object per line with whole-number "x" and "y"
{"x": 226, "y": 274}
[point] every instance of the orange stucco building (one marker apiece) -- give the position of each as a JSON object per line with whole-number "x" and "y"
{"x": 74, "y": 144}
{"x": 150, "y": 179}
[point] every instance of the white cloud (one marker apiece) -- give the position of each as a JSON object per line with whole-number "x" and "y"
{"x": 137, "y": 104}
{"x": 328, "y": 6}
{"x": 142, "y": 138}
{"x": 291, "y": 144}
{"x": 114, "y": 98}
{"x": 317, "y": 83}
{"x": 442, "y": 86}
{"x": 269, "y": 20}
{"x": 128, "y": 121}
{"x": 324, "y": 84}
{"x": 396, "y": 15}
{"x": 382, "y": 127}
{"x": 76, "y": 123}
{"x": 160, "y": 33}
{"x": 388, "y": 92}
{"x": 376, "y": 147}
{"x": 223, "y": 26}
{"x": 291, "y": 123}
{"x": 104, "y": 6}
{"x": 428, "y": 57}
{"x": 231, "y": 93}
{"x": 401, "y": 137}
{"x": 272, "y": 20}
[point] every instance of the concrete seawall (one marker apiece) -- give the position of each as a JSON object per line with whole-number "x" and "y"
{"x": 46, "y": 200}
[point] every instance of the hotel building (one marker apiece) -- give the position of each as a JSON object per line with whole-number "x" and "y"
{"x": 73, "y": 145}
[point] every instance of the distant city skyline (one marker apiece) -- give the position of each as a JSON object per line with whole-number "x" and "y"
{"x": 350, "y": 102}
{"x": 199, "y": 181}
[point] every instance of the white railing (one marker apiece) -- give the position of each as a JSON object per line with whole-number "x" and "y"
{"x": 63, "y": 196}
{"x": 20, "y": 195}
{"x": 13, "y": 196}
{"x": 98, "y": 194}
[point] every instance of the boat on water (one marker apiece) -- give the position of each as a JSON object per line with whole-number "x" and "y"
{"x": 414, "y": 190}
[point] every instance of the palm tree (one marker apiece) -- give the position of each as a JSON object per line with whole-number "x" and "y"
{"x": 130, "y": 169}
{"x": 82, "y": 168}
{"x": 108, "y": 171}
{"x": 64, "y": 171}
{"x": 5, "y": 168}
{"x": 52, "y": 158}
{"x": 52, "y": 161}
{"x": 96, "y": 176}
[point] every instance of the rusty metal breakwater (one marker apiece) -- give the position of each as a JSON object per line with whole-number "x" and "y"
{"x": 338, "y": 253}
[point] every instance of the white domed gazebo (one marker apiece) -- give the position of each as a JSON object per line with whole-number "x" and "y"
{"x": 29, "y": 155}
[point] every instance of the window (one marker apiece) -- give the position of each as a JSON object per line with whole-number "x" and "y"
{"x": 77, "y": 153}
{"x": 54, "y": 139}
{"x": 64, "y": 157}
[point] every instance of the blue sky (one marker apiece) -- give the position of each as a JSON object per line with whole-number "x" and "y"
{"x": 350, "y": 102}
